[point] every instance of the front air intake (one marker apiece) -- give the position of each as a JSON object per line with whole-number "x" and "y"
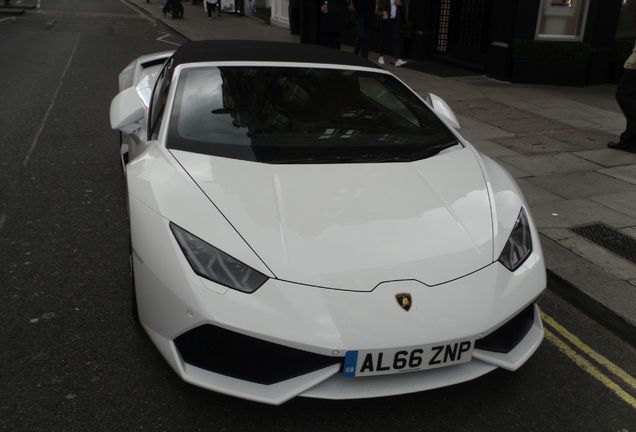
{"x": 247, "y": 358}
{"x": 506, "y": 337}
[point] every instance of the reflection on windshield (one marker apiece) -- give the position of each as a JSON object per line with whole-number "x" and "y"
{"x": 302, "y": 115}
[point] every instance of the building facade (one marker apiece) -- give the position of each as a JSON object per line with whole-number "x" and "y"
{"x": 566, "y": 42}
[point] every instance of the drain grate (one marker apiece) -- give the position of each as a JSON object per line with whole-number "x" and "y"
{"x": 610, "y": 239}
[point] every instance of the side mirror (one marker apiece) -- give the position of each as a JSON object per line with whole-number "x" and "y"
{"x": 126, "y": 110}
{"x": 442, "y": 109}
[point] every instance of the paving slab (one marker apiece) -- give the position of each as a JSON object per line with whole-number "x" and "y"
{"x": 582, "y": 184}
{"x": 531, "y": 125}
{"x": 565, "y": 113}
{"x": 492, "y": 149}
{"x": 515, "y": 103}
{"x": 607, "y": 157}
{"x": 579, "y": 139}
{"x": 552, "y": 102}
{"x": 609, "y": 261}
{"x": 622, "y": 202}
{"x": 577, "y": 212}
{"x": 536, "y": 195}
{"x": 513, "y": 170}
{"x": 626, "y": 173}
{"x": 474, "y": 130}
{"x": 557, "y": 234}
{"x": 579, "y": 123}
{"x": 531, "y": 144}
{"x": 630, "y": 231}
{"x": 611, "y": 121}
{"x": 591, "y": 288}
{"x": 490, "y": 111}
{"x": 559, "y": 163}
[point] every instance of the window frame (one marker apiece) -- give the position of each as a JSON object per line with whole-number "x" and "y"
{"x": 154, "y": 124}
{"x": 177, "y": 71}
{"x": 564, "y": 38}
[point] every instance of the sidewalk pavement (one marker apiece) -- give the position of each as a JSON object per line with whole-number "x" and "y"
{"x": 551, "y": 139}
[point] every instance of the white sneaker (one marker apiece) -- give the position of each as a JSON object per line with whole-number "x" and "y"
{"x": 381, "y": 59}
{"x": 400, "y": 62}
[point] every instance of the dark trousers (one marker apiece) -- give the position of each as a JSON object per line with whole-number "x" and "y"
{"x": 175, "y": 7}
{"x": 626, "y": 98}
{"x": 363, "y": 32}
{"x": 391, "y": 37}
{"x": 330, "y": 39}
{"x": 212, "y": 8}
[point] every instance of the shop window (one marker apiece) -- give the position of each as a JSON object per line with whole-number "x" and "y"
{"x": 562, "y": 19}
{"x": 444, "y": 21}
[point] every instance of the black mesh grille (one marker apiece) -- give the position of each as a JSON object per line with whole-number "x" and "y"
{"x": 506, "y": 337}
{"x": 610, "y": 239}
{"x": 238, "y": 356}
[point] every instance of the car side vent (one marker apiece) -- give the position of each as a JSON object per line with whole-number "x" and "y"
{"x": 506, "y": 337}
{"x": 247, "y": 358}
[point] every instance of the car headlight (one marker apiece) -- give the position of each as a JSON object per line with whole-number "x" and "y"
{"x": 215, "y": 265}
{"x": 519, "y": 244}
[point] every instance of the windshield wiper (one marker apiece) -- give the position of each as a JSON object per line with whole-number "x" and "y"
{"x": 316, "y": 160}
{"x": 369, "y": 157}
{"x": 433, "y": 150}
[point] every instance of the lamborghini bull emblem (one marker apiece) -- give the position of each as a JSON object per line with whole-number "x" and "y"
{"x": 404, "y": 300}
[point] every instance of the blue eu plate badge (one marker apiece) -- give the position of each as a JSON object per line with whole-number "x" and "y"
{"x": 350, "y": 363}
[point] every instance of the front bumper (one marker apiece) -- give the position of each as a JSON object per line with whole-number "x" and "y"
{"x": 173, "y": 300}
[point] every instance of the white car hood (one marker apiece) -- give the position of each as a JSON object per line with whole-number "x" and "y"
{"x": 354, "y": 226}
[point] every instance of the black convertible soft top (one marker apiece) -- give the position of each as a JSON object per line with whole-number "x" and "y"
{"x": 265, "y": 51}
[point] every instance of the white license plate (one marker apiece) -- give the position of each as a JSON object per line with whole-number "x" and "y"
{"x": 390, "y": 361}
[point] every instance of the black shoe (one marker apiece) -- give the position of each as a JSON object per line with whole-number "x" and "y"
{"x": 622, "y": 146}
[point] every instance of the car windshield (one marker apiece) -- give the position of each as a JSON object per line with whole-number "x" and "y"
{"x": 302, "y": 115}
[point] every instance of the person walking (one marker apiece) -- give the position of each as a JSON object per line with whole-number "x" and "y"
{"x": 626, "y": 98}
{"x": 174, "y": 7}
{"x": 364, "y": 14}
{"x": 212, "y": 7}
{"x": 392, "y": 21}
{"x": 331, "y": 22}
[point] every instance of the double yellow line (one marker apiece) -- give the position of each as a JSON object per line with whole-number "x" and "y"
{"x": 628, "y": 381}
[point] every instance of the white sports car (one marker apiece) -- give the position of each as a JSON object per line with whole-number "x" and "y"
{"x": 304, "y": 224}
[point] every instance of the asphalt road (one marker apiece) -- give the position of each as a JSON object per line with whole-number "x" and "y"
{"x": 71, "y": 358}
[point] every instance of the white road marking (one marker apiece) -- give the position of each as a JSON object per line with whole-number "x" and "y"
{"x": 152, "y": 21}
{"x": 50, "y": 108}
{"x": 160, "y": 39}
{"x": 7, "y": 19}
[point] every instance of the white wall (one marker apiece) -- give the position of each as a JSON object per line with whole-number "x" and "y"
{"x": 280, "y": 13}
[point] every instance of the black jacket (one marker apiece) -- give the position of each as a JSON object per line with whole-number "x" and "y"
{"x": 335, "y": 19}
{"x": 365, "y": 9}
{"x": 385, "y": 5}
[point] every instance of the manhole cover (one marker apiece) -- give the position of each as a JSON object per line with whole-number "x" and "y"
{"x": 610, "y": 239}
